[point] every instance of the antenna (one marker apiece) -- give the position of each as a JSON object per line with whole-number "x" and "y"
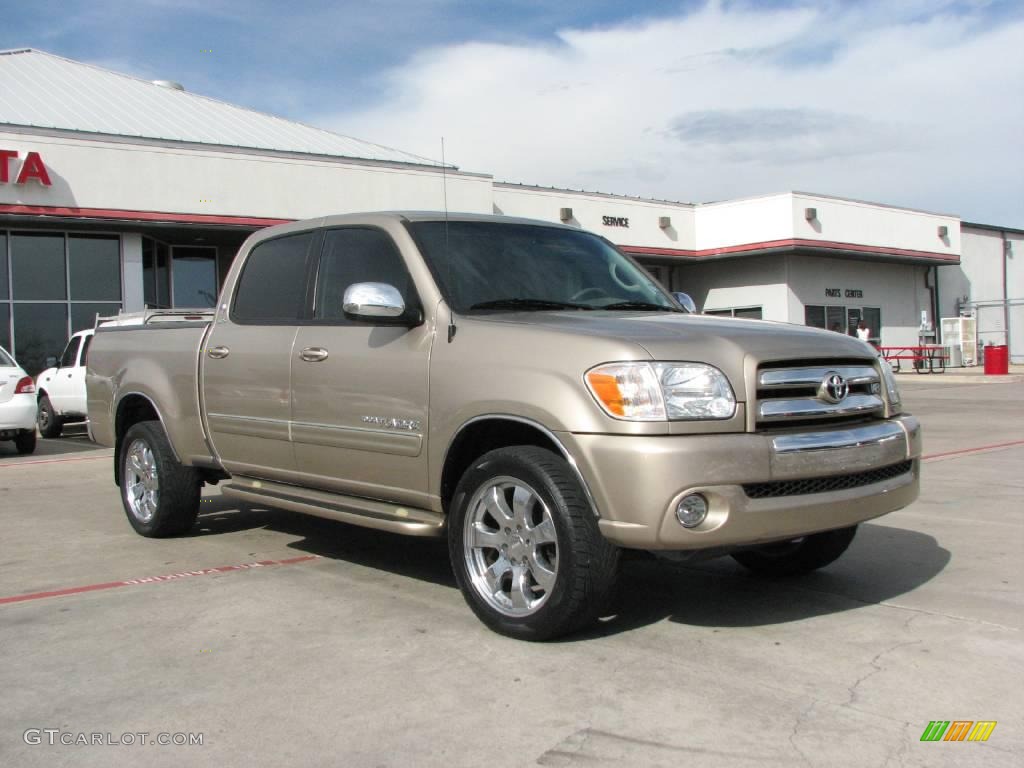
{"x": 447, "y": 252}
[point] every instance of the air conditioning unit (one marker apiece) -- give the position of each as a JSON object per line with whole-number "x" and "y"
{"x": 960, "y": 335}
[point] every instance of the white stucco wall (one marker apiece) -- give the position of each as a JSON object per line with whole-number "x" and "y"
{"x": 146, "y": 177}
{"x": 899, "y": 290}
{"x": 732, "y": 283}
{"x": 588, "y": 212}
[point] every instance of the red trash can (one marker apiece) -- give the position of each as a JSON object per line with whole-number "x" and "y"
{"x": 997, "y": 360}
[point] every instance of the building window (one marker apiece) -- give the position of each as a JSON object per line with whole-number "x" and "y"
{"x": 194, "y": 276}
{"x": 844, "y": 319}
{"x": 156, "y": 274}
{"x": 54, "y": 284}
{"x": 744, "y": 313}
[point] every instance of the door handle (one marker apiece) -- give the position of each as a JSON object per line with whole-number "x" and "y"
{"x": 313, "y": 354}
{"x": 218, "y": 353}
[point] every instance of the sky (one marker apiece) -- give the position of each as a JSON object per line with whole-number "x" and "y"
{"x": 916, "y": 103}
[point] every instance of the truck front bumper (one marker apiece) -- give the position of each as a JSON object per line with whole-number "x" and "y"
{"x": 759, "y": 487}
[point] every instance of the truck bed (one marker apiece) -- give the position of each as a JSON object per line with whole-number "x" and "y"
{"x": 150, "y": 357}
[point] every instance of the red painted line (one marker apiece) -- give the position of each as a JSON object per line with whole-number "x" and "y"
{"x": 52, "y": 461}
{"x": 113, "y": 213}
{"x": 979, "y": 449}
{"x": 156, "y": 579}
{"x": 790, "y": 243}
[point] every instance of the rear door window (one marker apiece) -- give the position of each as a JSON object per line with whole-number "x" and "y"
{"x": 272, "y": 286}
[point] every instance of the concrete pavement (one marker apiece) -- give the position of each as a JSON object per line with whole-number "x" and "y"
{"x": 368, "y": 656}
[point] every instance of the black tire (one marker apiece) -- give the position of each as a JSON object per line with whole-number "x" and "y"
{"x": 49, "y": 423}
{"x": 25, "y": 442}
{"x": 583, "y": 563}
{"x": 173, "y": 509}
{"x": 797, "y": 557}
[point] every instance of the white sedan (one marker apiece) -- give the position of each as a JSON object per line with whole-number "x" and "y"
{"x": 17, "y": 405}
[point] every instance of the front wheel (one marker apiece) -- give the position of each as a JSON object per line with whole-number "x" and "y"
{"x": 160, "y": 495}
{"x": 525, "y": 545}
{"x": 798, "y": 556}
{"x": 49, "y": 423}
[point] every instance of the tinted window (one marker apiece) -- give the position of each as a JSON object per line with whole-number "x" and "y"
{"x": 272, "y": 287}
{"x": 156, "y": 274}
{"x": 749, "y": 313}
{"x": 37, "y": 266}
{"x": 5, "y": 325}
{"x": 40, "y": 330}
{"x": 814, "y": 316}
{"x": 4, "y": 288}
{"x": 195, "y": 276}
{"x": 95, "y": 267}
{"x": 357, "y": 256}
{"x": 83, "y": 314}
{"x": 67, "y": 360}
{"x": 485, "y": 265}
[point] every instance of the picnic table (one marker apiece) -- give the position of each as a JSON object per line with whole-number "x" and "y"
{"x": 926, "y": 358}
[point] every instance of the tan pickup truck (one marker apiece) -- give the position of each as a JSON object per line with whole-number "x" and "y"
{"x": 520, "y": 387}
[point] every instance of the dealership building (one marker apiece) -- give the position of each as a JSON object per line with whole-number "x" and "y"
{"x": 118, "y": 193}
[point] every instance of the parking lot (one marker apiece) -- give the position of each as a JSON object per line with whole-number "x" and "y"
{"x": 288, "y": 640}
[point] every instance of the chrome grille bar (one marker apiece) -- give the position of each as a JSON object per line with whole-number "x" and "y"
{"x": 812, "y": 408}
{"x": 786, "y": 378}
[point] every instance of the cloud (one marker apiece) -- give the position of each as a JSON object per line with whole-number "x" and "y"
{"x": 911, "y": 104}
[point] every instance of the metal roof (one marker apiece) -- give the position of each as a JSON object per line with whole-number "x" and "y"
{"x": 41, "y": 90}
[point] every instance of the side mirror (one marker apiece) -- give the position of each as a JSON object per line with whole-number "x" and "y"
{"x": 686, "y": 302}
{"x": 372, "y": 301}
{"x": 51, "y": 362}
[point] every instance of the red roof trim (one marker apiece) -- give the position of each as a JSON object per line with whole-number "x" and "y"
{"x": 156, "y": 216}
{"x": 791, "y": 243}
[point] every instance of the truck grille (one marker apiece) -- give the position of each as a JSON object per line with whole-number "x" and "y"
{"x": 796, "y": 394}
{"x": 825, "y": 484}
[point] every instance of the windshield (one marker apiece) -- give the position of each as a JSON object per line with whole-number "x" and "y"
{"x": 493, "y": 266}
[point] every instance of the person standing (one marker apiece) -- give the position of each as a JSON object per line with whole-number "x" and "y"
{"x": 863, "y": 332}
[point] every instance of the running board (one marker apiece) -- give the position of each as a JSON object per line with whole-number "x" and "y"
{"x": 347, "y": 509}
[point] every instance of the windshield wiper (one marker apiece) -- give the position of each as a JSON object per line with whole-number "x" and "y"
{"x": 641, "y": 305}
{"x": 539, "y": 304}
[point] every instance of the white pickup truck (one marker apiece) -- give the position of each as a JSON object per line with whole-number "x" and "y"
{"x": 61, "y": 387}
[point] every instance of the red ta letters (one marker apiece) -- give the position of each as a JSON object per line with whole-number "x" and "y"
{"x": 32, "y": 168}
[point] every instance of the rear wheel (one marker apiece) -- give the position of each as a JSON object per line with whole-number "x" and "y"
{"x": 25, "y": 442}
{"x": 160, "y": 495}
{"x": 798, "y": 556}
{"x": 525, "y": 545}
{"x": 49, "y": 423}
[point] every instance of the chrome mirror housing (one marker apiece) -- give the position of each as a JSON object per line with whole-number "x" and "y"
{"x": 686, "y": 302}
{"x": 373, "y": 300}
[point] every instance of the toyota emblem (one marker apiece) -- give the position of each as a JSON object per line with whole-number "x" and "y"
{"x": 834, "y": 388}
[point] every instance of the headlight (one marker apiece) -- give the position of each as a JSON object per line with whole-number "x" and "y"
{"x": 895, "y": 405}
{"x": 660, "y": 391}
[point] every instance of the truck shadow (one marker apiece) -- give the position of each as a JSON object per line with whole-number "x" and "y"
{"x": 883, "y": 563}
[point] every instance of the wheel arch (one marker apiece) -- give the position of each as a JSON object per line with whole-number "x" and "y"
{"x": 488, "y": 432}
{"x": 132, "y": 408}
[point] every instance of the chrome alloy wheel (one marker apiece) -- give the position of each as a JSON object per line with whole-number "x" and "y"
{"x": 141, "y": 483}
{"x": 510, "y": 546}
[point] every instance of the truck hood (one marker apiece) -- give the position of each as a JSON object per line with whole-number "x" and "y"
{"x": 726, "y": 343}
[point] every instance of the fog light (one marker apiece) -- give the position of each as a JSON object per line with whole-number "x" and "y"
{"x": 691, "y": 510}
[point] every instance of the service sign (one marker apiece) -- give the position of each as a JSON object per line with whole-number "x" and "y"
{"x": 14, "y": 169}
